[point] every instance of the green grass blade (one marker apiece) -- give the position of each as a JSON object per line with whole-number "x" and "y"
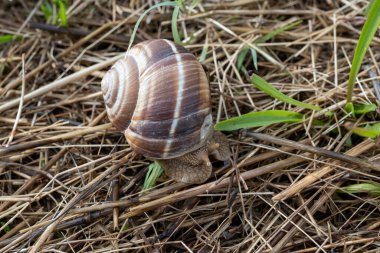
{"x": 254, "y": 58}
{"x": 6, "y": 229}
{"x": 181, "y": 4}
{"x": 133, "y": 35}
{"x": 9, "y": 38}
{"x": 375, "y": 127}
{"x": 365, "y": 132}
{"x": 369, "y": 7}
{"x": 243, "y": 53}
{"x": 370, "y": 131}
{"x": 154, "y": 172}
{"x": 349, "y": 108}
{"x": 258, "y": 119}
{"x": 241, "y": 57}
{"x": 361, "y": 109}
{"x": 203, "y": 54}
{"x": 365, "y": 38}
{"x": 371, "y": 188}
{"x": 273, "y": 92}
{"x": 277, "y": 31}
{"x": 176, "y": 36}
{"x": 194, "y": 3}
{"x": 62, "y": 13}
{"x": 46, "y": 10}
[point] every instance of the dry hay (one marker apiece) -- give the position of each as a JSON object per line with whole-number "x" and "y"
{"x": 65, "y": 163}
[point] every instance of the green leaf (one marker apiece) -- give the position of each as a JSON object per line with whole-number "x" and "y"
{"x": 241, "y": 57}
{"x": 6, "y": 228}
{"x": 244, "y": 70}
{"x": 348, "y": 141}
{"x": 203, "y": 54}
{"x": 9, "y": 38}
{"x": 154, "y": 172}
{"x": 375, "y": 127}
{"x": 371, "y": 188}
{"x": 349, "y": 108}
{"x": 365, "y": 132}
{"x": 366, "y": 10}
{"x": 62, "y": 13}
{"x": 243, "y": 53}
{"x": 317, "y": 122}
{"x": 194, "y": 3}
{"x": 176, "y": 36}
{"x": 370, "y": 131}
{"x": 125, "y": 227}
{"x": 365, "y": 38}
{"x": 277, "y": 31}
{"x": 361, "y": 109}
{"x": 46, "y": 10}
{"x": 133, "y": 35}
{"x": 273, "y": 92}
{"x": 181, "y": 4}
{"x": 254, "y": 58}
{"x": 258, "y": 119}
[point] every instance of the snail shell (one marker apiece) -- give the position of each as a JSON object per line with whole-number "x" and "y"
{"x": 158, "y": 95}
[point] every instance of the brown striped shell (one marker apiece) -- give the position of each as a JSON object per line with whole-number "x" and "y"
{"x": 158, "y": 95}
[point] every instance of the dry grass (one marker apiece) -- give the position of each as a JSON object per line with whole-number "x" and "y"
{"x": 69, "y": 182}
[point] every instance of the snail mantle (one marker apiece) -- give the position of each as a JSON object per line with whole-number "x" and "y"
{"x": 158, "y": 95}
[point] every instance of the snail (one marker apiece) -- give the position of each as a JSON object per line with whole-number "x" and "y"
{"x": 158, "y": 95}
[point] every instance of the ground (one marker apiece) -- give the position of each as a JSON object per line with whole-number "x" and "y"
{"x": 70, "y": 183}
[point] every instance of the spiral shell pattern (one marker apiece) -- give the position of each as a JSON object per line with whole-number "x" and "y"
{"x": 158, "y": 95}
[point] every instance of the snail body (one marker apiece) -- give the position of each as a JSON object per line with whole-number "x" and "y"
{"x": 158, "y": 96}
